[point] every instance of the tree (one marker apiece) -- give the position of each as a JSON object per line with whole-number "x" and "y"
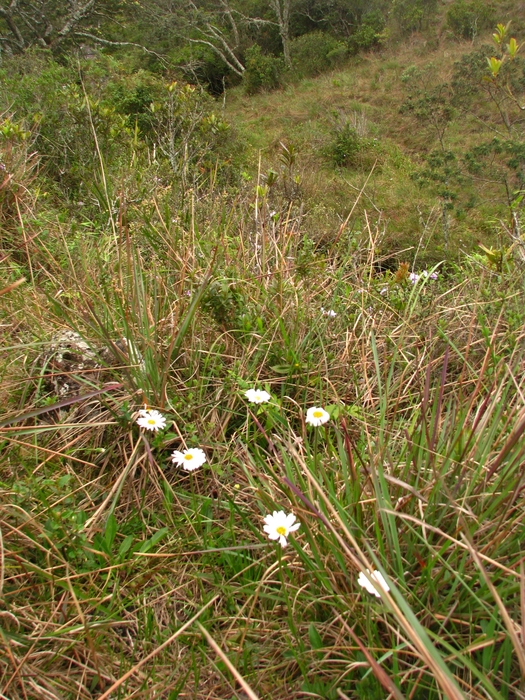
{"x": 213, "y": 26}
{"x": 48, "y": 23}
{"x": 281, "y": 9}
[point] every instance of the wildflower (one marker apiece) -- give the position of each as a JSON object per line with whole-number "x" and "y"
{"x": 190, "y": 459}
{"x": 257, "y": 396}
{"x": 378, "y": 577}
{"x": 317, "y": 416}
{"x": 383, "y": 291}
{"x": 279, "y": 525}
{"x": 413, "y": 277}
{"x": 151, "y": 419}
{"x": 328, "y": 312}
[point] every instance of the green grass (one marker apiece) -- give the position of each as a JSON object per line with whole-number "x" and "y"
{"x": 370, "y": 93}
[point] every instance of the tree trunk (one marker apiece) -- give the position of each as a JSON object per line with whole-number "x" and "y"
{"x": 282, "y": 13}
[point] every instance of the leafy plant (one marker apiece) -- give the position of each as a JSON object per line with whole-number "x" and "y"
{"x": 468, "y": 18}
{"x": 263, "y": 71}
{"x": 315, "y": 53}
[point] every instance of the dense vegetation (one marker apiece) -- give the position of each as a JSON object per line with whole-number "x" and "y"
{"x": 319, "y": 201}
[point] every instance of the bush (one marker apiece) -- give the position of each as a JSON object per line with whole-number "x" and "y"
{"x": 316, "y": 52}
{"x": 412, "y": 15}
{"x": 127, "y": 111}
{"x": 370, "y": 34}
{"x": 263, "y": 72}
{"x": 48, "y": 99}
{"x": 465, "y": 19}
{"x": 350, "y": 149}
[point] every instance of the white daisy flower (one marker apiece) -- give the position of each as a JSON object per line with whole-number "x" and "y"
{"x": 151, "y": 419}
{"x": 257, "y": 396}
{"x": 317, "y": 416}
{"x": 378, "y": 577}
{"x": 190, "y": 459}
{"x": 278, "y": 526}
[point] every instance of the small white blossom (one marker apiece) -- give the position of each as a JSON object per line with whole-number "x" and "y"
{"x": 257, "y": 396}
{"x": 383, "y": 291}
{"x": 413, "y": 277}
{"x": 328, "y": 312}
{"x": 151, "y": 419}
{"x": 190, "y": 459}
{"x": 278, "y": 526}
{"x": 317, "y": 416}
{"x": 378, "y": 577}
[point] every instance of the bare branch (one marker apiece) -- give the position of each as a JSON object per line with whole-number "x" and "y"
{"x": 8, "y": 18}
{"x": 107, "y": 42}
{"x": 239, "y": 71}
{"x": 78, "y": 13}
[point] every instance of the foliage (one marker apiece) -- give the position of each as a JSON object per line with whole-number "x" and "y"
{"x": 412, "y": 15}
{"x": 466, "y": 18}
{"x": 339, "y": 18}
{"x": 125, "y": 112}
{"x": 370, "y": 34}
{"x": 350, "y": 149}
{"x": 263, "y": 71}
{"x": 499, "y": 156}
{"x": 315, "y": 53}
{"x": 49, "y": 99}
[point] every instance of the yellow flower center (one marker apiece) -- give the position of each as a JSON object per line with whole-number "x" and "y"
{"x": 281, "y": 530}
{"x": 318, "y": 414}
{"x": 151, "y": 421}
{"x": 188, "y": 457}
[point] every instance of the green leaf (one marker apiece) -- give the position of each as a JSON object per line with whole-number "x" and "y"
{"x": 125, "y": 546}
{"x": 148, "y": 544}
{"x": 314, "y": 637}
{"x": 512, "y": 47}
{"x": 494, "y": 65}
{"x": 110, "y": 531}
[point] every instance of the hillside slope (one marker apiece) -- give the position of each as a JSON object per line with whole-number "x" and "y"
{"x": 371, "y": 97}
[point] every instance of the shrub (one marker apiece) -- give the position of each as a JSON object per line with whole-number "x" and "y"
{"x": 370, "y": 34}
{"x": 263, "y": 72}
{"x": 412, "y": 15}
{"x": 345, "y": 146}
{"x": 316, "y": 52}
{"x": 350, "y": 149}
{"x": 48, "y": 98}
{"x": 465, "y": 19}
